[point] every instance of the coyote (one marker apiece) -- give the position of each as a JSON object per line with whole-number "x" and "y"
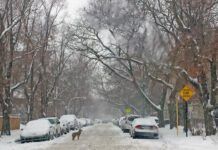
{"x": 76, "y": 134}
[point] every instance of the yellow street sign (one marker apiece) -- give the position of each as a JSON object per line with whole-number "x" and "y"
{"x": 128, "y": 110}
{"x": 186, "y": 93}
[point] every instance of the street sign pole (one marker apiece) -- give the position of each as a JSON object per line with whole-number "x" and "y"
{"x": 177, "y": 116}
{"x": 186, "y": 118}
{"x": 186, "y": 93}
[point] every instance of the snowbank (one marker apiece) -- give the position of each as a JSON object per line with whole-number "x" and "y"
{"x": 8, "y": 142}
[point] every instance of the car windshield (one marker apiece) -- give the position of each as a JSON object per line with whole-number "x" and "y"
{"x": 52, "y": 121}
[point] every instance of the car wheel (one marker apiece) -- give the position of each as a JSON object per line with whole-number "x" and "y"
{"x": 22, "y": 141}
{"x": 130, "y": 133}
{"x": 133, "y": 135}
{"x": 156, "y": 137}
{"x": 56, "y": 134}
{"x": 60, "y": 133}
{"x": 48, "y": 137}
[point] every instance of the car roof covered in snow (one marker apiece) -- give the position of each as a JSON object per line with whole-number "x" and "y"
{"x": 68, "y": 117}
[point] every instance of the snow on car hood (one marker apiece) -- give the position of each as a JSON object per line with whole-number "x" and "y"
{"x": 36, "y": 128}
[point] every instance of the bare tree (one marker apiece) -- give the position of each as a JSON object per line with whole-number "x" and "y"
{"x": 191, "y": 25}
{"x": 11, "y": 16}
{"x": 75, "y": 84}
{"x": 127, "y": 52}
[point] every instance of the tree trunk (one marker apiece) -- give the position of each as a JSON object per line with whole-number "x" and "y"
{"x": 209, "y": 123}
{"x": 31, "y": 97}
{"x": 43, "y": 107}
{"x": 172, "y": 114}
{"x": 172, "y": 107}
{"x": 162, "y": 105}
{"x": 6, "y": 110}
{"x": 213, "y": 80}
{"x": 208, "y": 117}
{"x": 7, "y": 96}
{"x": 161, "y": 118}
{"x": 6, "y": 121}
{"x": 30, "y": 108}
{"x": 207, "y": 106}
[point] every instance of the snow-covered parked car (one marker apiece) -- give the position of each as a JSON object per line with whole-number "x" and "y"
{"x": 89, "y": 121}
{"x": 65, "y": 126}
{"x": 127, "y": 121}
{"x": 56, "y": 124}
{"x": 82, "y": 122}
{"x": 71, "y": 119}
{"x": 155, "y": 119}
{"x": 144, "y": 127}
{"x": 121, "y": 121}
{"x": 37, "y": 130}
{"x": 97, "y": 121}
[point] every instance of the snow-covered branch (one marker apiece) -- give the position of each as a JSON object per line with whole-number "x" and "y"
{"x": 161, "y": 81}
{"x": 10, "y": 27}
{"x": 123, "y": 58}
{"x": 193, "y": 81}
{"x": 146, "y": 97}
{"x": 185, "y": 74}
{"x": 115, "y": 72}
{"x": 20, "y": 57}
{"x": 13, "y": 88}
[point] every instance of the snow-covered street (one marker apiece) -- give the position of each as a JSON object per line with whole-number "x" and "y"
{"x": 105, "y": 137}
{"x": 110, "y": 137}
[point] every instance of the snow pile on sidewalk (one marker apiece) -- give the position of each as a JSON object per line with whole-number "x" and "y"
{"x": 170, "y": 141}
{"x": 181, "y": 142}
{"x": 8, "y": 142}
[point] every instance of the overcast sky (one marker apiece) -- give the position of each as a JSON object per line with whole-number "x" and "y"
{"x": 73, "y": 7}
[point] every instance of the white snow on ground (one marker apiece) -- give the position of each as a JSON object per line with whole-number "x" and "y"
{"x": 181, "y": 142}
{"x": 168, "y": 140}
{"x": 8, "y": 142}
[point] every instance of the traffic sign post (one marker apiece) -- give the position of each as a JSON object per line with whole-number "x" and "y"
{"x": 177, "y": 115}
{"x": 186, "y": 93}
{"x": 186, "y": 118}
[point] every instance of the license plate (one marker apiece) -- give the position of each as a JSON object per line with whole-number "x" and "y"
{"x": 145, "y": 127}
